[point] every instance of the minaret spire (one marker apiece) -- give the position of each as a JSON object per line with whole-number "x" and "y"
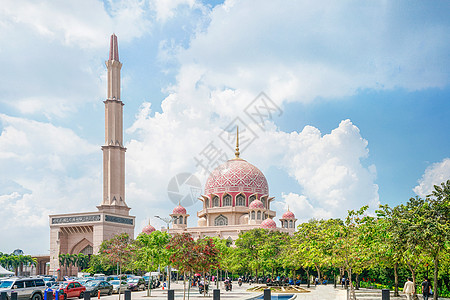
{"x": 113, "y": 48}
{"x": 237, "y": 142}
{"x": 113, "y": 150}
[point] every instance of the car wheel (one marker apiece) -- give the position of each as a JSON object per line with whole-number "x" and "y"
{"x": 81, "y": 295}
{"x": 110, "y": 292}
{"x": 36, "y": 297}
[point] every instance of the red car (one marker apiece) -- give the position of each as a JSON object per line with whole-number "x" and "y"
{"x": 71, "y": 289}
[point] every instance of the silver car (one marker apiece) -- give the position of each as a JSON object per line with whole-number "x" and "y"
{"x": 26, "y": 288}
{"x": 119, "y": 283}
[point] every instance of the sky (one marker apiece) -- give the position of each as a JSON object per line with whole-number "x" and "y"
{"x": 340, "y": 104}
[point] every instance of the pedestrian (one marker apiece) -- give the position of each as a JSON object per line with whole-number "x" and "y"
{"x": 343, "y": 281}
{"x": 409, "y": 289}
{"x": 426, "y": 287}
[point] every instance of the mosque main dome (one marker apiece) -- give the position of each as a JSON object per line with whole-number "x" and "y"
{"x": 237, "y": 176}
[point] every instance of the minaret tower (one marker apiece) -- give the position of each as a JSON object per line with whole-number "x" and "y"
{"x": 113, "y": 150}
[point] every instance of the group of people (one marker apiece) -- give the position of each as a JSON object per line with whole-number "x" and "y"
{"x": 409, "y": 289}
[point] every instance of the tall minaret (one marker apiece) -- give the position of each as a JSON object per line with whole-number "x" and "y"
{"x": 113, "y": 150}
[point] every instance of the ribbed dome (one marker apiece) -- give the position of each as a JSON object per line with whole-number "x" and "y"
{"x": 179, "y": 210}
{"x": 236, "y": 175}
{"x": 288, "y": 215}
{"x": 148, "y": 229}
{"x": 268, "y": 224}
{"x": 256, "y": 204}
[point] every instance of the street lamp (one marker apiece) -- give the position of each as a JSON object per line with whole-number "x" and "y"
{"x": 167, "y": 221}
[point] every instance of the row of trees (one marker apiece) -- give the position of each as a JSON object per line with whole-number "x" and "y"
{"x": 15, "y": 263}
{"x": 382, "y": 247}
{"x": 80, "y": 260}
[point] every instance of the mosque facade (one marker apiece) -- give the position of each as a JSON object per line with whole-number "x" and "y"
{"x": 75, "y": 233}
{"x": 236, "y": 199}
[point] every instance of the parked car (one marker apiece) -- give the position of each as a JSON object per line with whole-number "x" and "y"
{"x": 94, "y": 286}
{"x": 136, "y": 283}
{"x": 119, "y": 283}
{"x": 26, "y": 288}
{"x": 72, "y": 289}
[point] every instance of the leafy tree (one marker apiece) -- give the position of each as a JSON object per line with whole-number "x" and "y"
{"x": 117, "y": 250}
{"x": 181, "y": 255}
{"x": 150, "y": 251}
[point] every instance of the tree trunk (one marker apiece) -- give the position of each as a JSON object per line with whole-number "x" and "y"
{"x": 352, "y": 290}
{"x": 318, "y": 272}
{"x": 436, "y": 265}
{"x": 307, "y": 276}
{"x": 357, "y": 281}
{"x": 413, "y": 274}
{"x": 396, "y": 279}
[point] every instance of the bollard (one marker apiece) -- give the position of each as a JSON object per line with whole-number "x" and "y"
{"x": 87, "y": 295}
{"x": 13, "y": 295}
{"x": 56, "y": 295}
{"x": 98, "y": 294}
{"x": 267, "y": 295}
{"x": 170, "y": 294}
{"x": 49, "y": 295}
{"x": 216, "y": 294}
{"x": 385, "y": 294}
{"x": 127, "y": 294}
{"x": 3, "y": 296}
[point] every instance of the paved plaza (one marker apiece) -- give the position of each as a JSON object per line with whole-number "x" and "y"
{"x": 327, "y": 292}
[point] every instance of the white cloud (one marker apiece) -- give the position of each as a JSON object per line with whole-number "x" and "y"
{"x": 302, "y": 208}
{"x": 434, "y": 175}
{"x": 44, "y": 169}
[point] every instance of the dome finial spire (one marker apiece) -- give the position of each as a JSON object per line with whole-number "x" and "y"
{"x": 237, "y": 142}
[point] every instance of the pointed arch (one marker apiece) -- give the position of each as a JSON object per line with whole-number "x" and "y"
{"x": 240, "y": 200}
{"x": 227, "y": 200}
{"x": 80, "y": 246}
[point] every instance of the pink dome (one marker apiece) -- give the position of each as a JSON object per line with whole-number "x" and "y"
{"x": 268, "y": 224}
{"x": 179, "y": 210}
{"x": 236, "y": 175}
{"x": 148, "y": 229}
{"x": 288, "y": 215}
{"x": 256, "y": 204}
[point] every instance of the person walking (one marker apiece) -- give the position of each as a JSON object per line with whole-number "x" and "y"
{"x": 426, "y": 287}
{"x": 409, "y": 289}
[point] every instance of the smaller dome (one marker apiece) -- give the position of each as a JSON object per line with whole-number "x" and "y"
{"x": 288, "y": 215}
{"x": 256, "y": 204}
{"x": 268, "y": 224}
{"x": 179, "y": 210}
{"x": 148, "y": 229}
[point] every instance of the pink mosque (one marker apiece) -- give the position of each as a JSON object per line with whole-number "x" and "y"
{"x": 236, "y": 197}
{"x": 236, "y": 200}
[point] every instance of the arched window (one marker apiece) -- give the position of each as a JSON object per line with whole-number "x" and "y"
{"x": 263, "y": 200}
{"x": 240, "y": 200}
{"x": 259, "y": 215}
{"x": 221, "y": 221}
{"x": 253, "y": 215}
{"x": 175, "y": 220}
{"x": 227, "y": 200}
{"x": 87, "y": 250}
{"x": 252, "y": 197}
{"x": 207, "y": 203}
{"x": 285, "y": 224}
{"x": 215, "y": 201}
{"x": 291, "y": 224}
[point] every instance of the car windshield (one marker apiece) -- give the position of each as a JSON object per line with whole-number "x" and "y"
{"x": 92, "y": 283}
{"x": 6, "y": 284}
{"x": 114, "y": 282}
{"x": 133, "y": 280}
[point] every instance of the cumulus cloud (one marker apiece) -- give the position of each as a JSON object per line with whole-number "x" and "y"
{"x": 434, "y": 175}
{"x": 44, "y": 169}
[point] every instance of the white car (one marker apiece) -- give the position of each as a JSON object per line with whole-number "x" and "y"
{"x": 117, "y": 283}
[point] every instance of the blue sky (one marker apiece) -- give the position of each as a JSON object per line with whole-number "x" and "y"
{"x": 363, "y": 88}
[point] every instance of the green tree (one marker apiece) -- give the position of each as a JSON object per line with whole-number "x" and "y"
{"x": 117, "y": 250}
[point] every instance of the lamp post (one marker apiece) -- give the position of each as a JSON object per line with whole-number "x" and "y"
{"x": 167, "y": 221}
